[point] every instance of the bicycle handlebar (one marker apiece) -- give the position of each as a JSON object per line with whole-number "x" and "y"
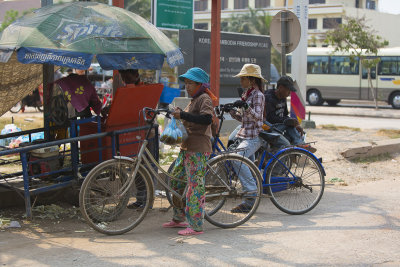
{"x": 153, "y": 112}
{"x": 222, "y": 108}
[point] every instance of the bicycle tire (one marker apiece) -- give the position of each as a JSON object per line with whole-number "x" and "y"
{"x": 100, "y": 203}
{"x": 300, "y": 190}
{"x": 221, "y": 201}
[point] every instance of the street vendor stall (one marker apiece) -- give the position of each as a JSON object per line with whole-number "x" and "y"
{"x": 72, "y": 35}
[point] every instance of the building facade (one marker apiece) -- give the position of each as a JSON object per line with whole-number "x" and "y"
{"x": 323, "y": 15}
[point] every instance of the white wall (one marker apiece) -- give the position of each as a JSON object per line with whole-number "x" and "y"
{"x": 384, "y": 24}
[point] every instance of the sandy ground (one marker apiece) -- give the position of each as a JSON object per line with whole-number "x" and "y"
{"x": 356, "y": 223}
{"x": 331, "y": 143}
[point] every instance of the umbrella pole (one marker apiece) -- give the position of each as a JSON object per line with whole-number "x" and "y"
{"x": 48, "y": 77}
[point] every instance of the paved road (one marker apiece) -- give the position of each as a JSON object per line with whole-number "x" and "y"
{"x": 352, "y": 226}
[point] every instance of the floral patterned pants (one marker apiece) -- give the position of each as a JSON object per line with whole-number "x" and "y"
{"x": 191, "y": 166}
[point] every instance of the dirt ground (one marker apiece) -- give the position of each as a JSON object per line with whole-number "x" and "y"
{"x": 263, "y": 240}
{"x": 329, "y": 144}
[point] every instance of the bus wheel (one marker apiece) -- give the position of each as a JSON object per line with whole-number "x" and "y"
{"x": 333, "y": 102}
{"x": 314, "y": 98}
{"x": 395, "y": 100}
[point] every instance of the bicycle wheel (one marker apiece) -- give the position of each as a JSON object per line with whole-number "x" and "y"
{"x": 296, "y": 181}
{"x": 225, "y": 193}
{"x": 101, "y": 202}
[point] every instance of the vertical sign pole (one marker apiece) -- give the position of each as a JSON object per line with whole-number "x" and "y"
{"x": 284, "y": 40}
{"x": 299, "y": 62}
{"x": 215, "y": 47}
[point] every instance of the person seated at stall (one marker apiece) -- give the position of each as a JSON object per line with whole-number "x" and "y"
{"x": 81, "y": 94}
{"x": 131, "y": 79}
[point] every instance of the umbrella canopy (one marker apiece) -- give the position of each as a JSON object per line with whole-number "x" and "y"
{"x": 72, "y": 34}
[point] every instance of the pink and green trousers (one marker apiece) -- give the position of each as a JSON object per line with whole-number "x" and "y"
{"x": 191, "y": 166}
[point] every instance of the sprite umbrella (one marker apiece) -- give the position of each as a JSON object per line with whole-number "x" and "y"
{"x": 72, "y": 34}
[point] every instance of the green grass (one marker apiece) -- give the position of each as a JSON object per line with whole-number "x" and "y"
{"x": 370, "y": 159}
{"x": 389, "y": 133}
{"x": 335, "y": 180}
{"x": 336, "y": 128}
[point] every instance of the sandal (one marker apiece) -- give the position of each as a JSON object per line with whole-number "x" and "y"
{"x": 173, "y": 224}
{"x": 189, "y": 231}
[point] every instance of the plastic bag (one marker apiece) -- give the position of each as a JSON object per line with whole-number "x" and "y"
{"x": 9, "y": 128}
{"x": 175, "y": 133}
{"x": 183, "y": 130}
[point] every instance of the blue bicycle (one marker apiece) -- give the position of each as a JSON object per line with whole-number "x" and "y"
{"x": 293, "y": 177}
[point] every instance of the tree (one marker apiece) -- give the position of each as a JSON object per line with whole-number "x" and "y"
{"x": 140, "y": 7}
{"x": 11, "y": 16}
{"x": 354, "y": 36}
{"x": 257, "y": 21}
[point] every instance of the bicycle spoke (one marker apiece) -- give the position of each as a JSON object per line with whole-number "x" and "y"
{"x": 101, "y": 201}
{"x": 224, "y": 191}
{"x": 300, "y": 193}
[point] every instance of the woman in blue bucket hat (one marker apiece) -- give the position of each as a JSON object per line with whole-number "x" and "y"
{"x": 195, "y": 150}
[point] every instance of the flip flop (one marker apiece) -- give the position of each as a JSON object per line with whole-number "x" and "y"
{"x": 173, "y": 224}
{"x": 189, "y": 231}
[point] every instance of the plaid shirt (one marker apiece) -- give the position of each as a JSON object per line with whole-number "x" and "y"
{"x": 252, "y": 117}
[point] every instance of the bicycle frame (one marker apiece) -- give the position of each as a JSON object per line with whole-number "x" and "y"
{"x": 146, "y": 158}
{"x": 217, "y": 145}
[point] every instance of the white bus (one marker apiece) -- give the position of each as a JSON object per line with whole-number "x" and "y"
{"x": 331, "y": 77}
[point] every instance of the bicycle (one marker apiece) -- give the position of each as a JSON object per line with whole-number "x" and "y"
{"x": 293, "y": 178}
{"x": 113, "y": 184}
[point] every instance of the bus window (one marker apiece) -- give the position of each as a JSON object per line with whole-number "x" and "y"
{"x": 317, "y": 64}
{"x": 388, "y": 66}
{"x": 343, "y": 65}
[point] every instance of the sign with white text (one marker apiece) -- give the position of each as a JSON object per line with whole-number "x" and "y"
{"x": 173, "y": 14}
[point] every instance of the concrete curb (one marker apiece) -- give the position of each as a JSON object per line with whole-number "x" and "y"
{"x": 384, "y": 116}
{"x": 374, "y": 149}
{"x": 353, "y": 112}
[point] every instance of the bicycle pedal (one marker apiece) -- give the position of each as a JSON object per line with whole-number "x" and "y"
{"x": 320, "y": 160}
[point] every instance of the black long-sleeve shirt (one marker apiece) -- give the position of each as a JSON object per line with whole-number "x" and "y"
{"x": 204, "y": 119}
{"x": 276, "y": 110}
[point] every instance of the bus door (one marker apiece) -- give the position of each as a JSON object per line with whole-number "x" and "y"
{"x": 365, "y": 91}
{"x": 388, "y": 76}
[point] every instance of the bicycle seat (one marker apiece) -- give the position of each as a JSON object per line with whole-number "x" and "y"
{"x": 269, "y": 137}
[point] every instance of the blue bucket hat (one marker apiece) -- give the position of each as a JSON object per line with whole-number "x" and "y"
{"x": 195, "y": 74}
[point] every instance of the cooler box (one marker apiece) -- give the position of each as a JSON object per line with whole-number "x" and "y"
{"x": 125, "y": 112}
{"x": 48, "y": 161}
